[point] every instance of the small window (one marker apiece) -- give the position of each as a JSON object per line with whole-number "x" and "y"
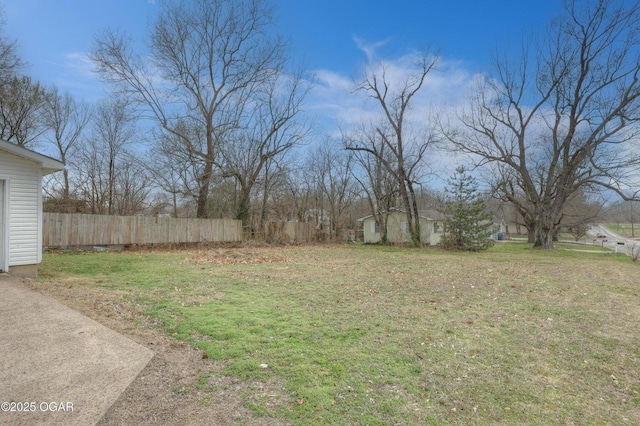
{"x": 375, "y": 227}
{"x": 405, "y": 227}
{"x": 436, "y": 228}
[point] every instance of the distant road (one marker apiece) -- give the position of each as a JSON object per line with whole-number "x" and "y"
{"x": 615, "y": 242}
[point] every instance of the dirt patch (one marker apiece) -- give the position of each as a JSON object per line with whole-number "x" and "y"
{"x": 179, "y": 386}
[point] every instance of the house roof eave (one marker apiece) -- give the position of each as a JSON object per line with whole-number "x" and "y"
{"x": 47, "y": 164}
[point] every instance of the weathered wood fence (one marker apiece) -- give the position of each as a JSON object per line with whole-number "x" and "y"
{"x": 68, "y": 230}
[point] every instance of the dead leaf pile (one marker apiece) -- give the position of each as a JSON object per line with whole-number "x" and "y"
{"x": 237, "y": 256}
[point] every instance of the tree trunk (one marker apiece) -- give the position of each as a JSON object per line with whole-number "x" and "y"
{"x": 544, "y": 231}
{"x": 544, "y": 239}
{"x": 265, "y": 198}
{"x": 415, "y": 232}
{"x": 406, "y": 201}
{"x": 203, "y": 192}
{"x": 382, "y": 226}
{"x": 111, "y": 187}
{"x": 243, "y": 212}
{"x": 66, "y": 190}
{"x": 174, "y": 199}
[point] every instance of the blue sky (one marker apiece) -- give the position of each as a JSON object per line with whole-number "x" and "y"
{"x": 466, "y": 30}
{"x": 334, "y": 38}
{"x": 331, "y": 35}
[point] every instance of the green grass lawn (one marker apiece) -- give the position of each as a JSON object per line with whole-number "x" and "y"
{"x": 374, "y": 335}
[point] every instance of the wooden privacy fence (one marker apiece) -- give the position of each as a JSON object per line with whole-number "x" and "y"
{"x": 68, "y": 230}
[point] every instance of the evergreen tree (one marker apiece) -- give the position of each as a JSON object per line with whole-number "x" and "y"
{"x": 469, "y": 224}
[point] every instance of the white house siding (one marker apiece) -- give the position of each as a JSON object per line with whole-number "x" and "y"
{"x": 397, "y": 229}
{"x": 435, "y": 236}
{"x": 25, "y": 196}
{"x": 371, "y": 232}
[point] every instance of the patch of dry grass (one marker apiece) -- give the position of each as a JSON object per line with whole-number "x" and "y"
{"x": 221, "y": 256}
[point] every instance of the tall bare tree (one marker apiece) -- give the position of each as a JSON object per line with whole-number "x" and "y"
{"x": 270, "y": 128}
{"x": 132, "y": 188}
{"x": 174, "y": 168}
{"x": 404, "y": 141}
{"x": 66, "y": 120}
{"x": 274, "y": 192}
{"x": 379, "y": 185}
{"x": 301, "y": 194}
{"x": 564, "y": 116}
{"x": 105, "y": 156}
{"x": 206, "y": 59}
{"x": 330, "y": 168}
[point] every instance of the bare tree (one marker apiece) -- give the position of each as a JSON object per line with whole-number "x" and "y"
{"x": 379, "y": 185}
{"x": 567, "y": 122}
{"x": 330, "y": 167}
{"x": 175, "y": 169}
{"x": 301, "y": 194}
{"x": 274, "y": 186}
{"x": 132, "y": 188}
{"x": 114, "y": 126}
{"x": 21, "y": 104}
{"x": 105, "y": 156}
{"x": 66, "y": 120}
{"x": 270, "y": 128}
{"x": 406, "y": 146}
{"x": 92, "y": 175}
{"x": 207, "y": 57}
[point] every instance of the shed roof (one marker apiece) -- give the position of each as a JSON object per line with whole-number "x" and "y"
{"x": 48, "y": 164}
{"x": 429, "y": 215}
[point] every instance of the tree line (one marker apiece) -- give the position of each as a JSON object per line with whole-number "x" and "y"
{"x": 209, "y": 120}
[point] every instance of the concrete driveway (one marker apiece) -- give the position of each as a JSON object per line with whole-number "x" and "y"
{"x": 57, "y": 366}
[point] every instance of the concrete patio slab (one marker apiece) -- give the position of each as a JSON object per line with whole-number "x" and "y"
{"x": 57, "y": 366}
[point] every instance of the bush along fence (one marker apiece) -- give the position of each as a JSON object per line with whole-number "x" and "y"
{"x": 77, "y": 230}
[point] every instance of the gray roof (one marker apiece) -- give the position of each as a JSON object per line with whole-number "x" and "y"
{"x": 426, "y": 214}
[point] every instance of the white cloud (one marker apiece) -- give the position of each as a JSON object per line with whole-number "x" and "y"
{"x": 336, "y": 105}
{"x": 80, "y": 64}
{"x": 75, "y": 74}
{"x": 369, "y": 48}
{"x": 446, "y": 87}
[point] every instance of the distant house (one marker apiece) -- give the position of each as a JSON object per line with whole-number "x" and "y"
{"x": 514, "y": 229}
{"x": 21, "y": 172}
{"x": 499, "y": 228}
{"x": 431, "y": 227}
